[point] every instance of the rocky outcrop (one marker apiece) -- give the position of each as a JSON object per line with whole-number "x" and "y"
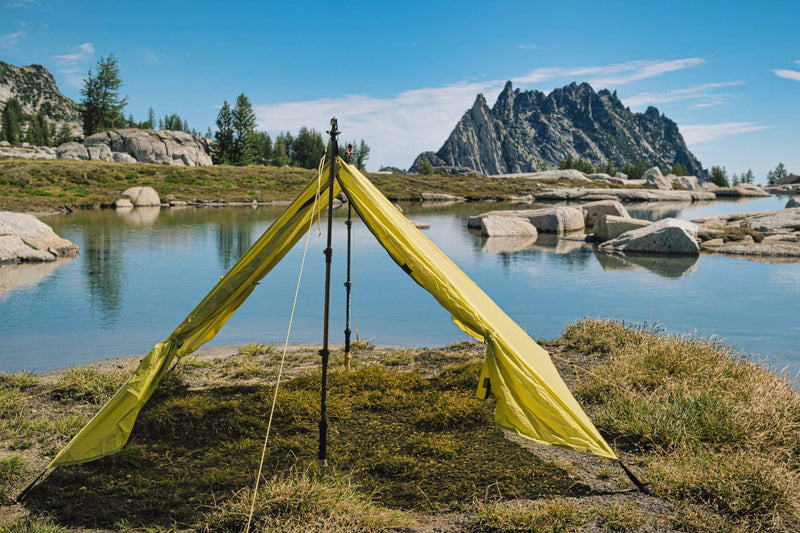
{"x": 524, "y": 131}
{"x": 142, "y": 196}
{"x": 26, "y": 151}
{"x": 72, "y": 150}
{"x": 761, "y": 234}
{"x": 568, "y": 174}
{"x": 610, "y": 227}
{"x": 654, "y": 179}
{"x": 793, "y": 202}
{"x": 440, "y": 197}
{"x": 549, "y": 220}
{"x": 789, "y": 180}
{"x": 149, "y": 146}
{"x": 689, "y": 183}
{"x": 496, "y": 226}
{"x": 26, "y": 238}
{"x": 667, "y": 236}
{"x": 35, "y": 88}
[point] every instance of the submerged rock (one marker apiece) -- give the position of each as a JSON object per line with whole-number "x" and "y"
{"x": 26, "y": 238}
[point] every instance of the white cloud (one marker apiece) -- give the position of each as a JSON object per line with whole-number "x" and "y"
{"x": 703, "y": 92}
{"x": 19, "y": 3}
{"x": 611, "y": 75}
{"x": 788, "y": 74}
{"x": 400, "y": 127}
{"x": 704, "y": 133}
{"x": 10, "y": 39}
{"x": 530, "y": 47}
{"x": 74, "y": 65}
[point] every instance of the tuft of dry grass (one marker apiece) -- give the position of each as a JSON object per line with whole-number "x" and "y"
{"x": 716, "y": 429}
{"x": 302, "y": 502}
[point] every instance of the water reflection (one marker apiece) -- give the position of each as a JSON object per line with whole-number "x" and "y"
{"x": 668, "y": 267}
{"x": 25, "y": 275}
{"x": 507, "y": 244}
{"x": 139, "y": 216}
{"x": 234, "y": 236}
{"x": 102, "y": 253}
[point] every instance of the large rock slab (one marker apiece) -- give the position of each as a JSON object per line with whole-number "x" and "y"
{"x": 594, "y": 210}
{"x": 624, "y": 195}
{"x": 745, "y": 190}
{"x": 570, "y": 174}
{"x": 610, "y": 227}
{"x": 142, "y": 196}
{"x": 668, "y": 236}
{"x": 557, "y": 220}
{"x": 26, "y": 152}
{"x": 100, "y": 152}
{"x": 498, "y": 226}
{"x": 654, "y": 179}
{"x": 72, "y": 150}
{"x": 26, "y": 238}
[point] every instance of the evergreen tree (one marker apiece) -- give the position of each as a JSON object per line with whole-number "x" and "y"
{"x": 263, "y": 147}
{"x": 102, "y": 104}
{"x": 361, "y": 155}
{"x": 719, "y": 176}
{"x": 11, "y": 122}
{"x": 151, "y": 118}
{"x": 38, "y": 133}
{"x": 307, "y": 148}
{"x": 634, "y": 170}
{"x": 678, "y": 169}
{"x": 185, "y": 126}
{"x": 735, "y": 180}
{"x": 244, "y": 129}
{"x": 64, "y": 134}
{"x": 426, "y": 168}
{"x": 610, "y": 169}
{"x": 224, "y": 134}
{"x": 774, "y": 176}
{"x": 279, "y": 156}
{"x": 748, "y": 176}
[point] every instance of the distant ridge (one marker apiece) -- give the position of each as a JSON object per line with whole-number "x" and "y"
{"x": 525, "y": 131}
{"x": 35, "y": 88}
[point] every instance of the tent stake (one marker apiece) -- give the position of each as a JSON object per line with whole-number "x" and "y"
{"x": 639, "y": 485}
{"x": 322, "y": 457}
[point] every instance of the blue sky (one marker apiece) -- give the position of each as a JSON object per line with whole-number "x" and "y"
{"x": 400, "y": 75}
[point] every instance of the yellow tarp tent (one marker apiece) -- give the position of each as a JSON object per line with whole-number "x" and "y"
{"x": 532, "y": 399}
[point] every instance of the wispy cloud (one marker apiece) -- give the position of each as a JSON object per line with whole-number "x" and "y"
{"x": 74, "y": 65}
{"x": 705, "y": 93}
{"x": 611, "y": 75}
{"x": 401, "y": 126}
{"x": 788, "y": 74}
{"x": 530, "y": 47}
{"x": 705, "y": 133}
{"x": 11, "y": 39}
{"x": 19, "y": 3}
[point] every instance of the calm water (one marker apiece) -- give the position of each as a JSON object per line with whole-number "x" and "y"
{"x": 140, "y": 273}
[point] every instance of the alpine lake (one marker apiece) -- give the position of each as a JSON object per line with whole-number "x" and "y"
{"x": 140, "y": 272}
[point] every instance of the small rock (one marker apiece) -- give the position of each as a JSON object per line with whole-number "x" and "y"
{"x": 25, "y": 238}
{"x": 72, "y": 150}
{"x": 594, "y": 210}
{"x": 792, "y": 203}
{"x": 498, "y": 226}
{"x": 142, "y": 196}
{"x": 557, "y": 220}
{"x": 610, "y": 227}
{"x": 667, "y": 236}
{"x": 420, "y": 225}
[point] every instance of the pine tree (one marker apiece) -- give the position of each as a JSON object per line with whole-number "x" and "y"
{"x": 64, "y": 134}
{"x": 102, "y": 104}
{"x": 748, "y": 176}
{"x": 719, "y": 176}
{"x": 151, "y": 118}
{"x": 11, "y": 122}
{"x": 279, "y": 156}
{"x": 774, "y": 176}
{"x": 361, "y": 155}
{"x": 224, "y": 135}
{"x": 610, "y": 170}
{"x": 244, "y": 129}
{"x": 263, "y": 146}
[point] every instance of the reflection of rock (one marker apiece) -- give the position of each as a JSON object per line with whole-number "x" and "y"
{"x": 16, "y": 276}
{"x": 668, "y": 267}
{"x": 26, "y": 238}
{"x": 123, "y": 203}
{"x": 657, "y": 211}
{"x": 141, "y": 216}
{"x": 420, "y": 225}
{"x": 508, "y": 244}
{"x": 440, "y": 203}
{"x": 494, "y": 226}
{"x": 668, "y": 236}
{"x": 555, "y": 244}
{"x": 787, "y": 251}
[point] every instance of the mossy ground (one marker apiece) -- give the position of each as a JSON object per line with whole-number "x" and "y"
{"x": 410, "y": 448}
{"x": 41, "y": 185}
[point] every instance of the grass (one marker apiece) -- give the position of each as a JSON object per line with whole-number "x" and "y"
{"x": 27, "y": 185}
{"x": 716, "y": 430}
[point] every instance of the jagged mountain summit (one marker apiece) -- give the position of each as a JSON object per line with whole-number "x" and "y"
{"x": 528, "y": 131}
{"x": 35, "y": 88}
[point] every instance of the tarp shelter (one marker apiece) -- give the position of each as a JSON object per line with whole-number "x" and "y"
{"x": 532, "y": 399}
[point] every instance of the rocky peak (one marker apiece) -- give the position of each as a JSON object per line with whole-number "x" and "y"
{"x": 525, "y": 131}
